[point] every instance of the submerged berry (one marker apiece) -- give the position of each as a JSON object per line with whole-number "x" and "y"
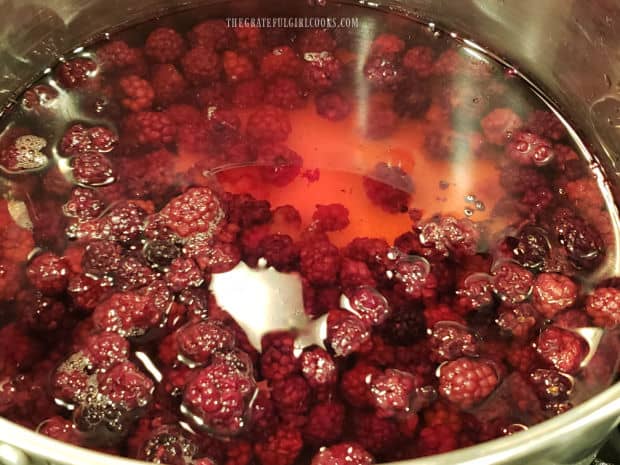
{"x": 563, "y": 349}
{"x": 389, "y": 187}
{"x": 603, "y": 306}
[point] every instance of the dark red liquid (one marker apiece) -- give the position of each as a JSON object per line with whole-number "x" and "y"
{"x": 177, "y": 193}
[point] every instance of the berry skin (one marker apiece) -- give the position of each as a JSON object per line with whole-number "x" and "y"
{"x": 436, "y": 440}
{"x": 551, "y": 385}
{"x": 278, "y": 360}
{"x": 346, "y": 453}
{"x": 319, "y": 368}
{"x": 219, "y": 398}
{"x": 291, "y": 395}
{"x": 123, "y": 223}
{"x": 389, "y": 187}
{"x": 197, "y": 211}
{"x": 104, "y": 350}
{"x": 218, "y": 258}
{"x": 475, "y": 293}
{"x": 101, "y": 258}
{"x": 603, "y": 306}
{"x": 151, "y": 128}
{"x": 238, "y": 67}
{"x": 198, "y": 342}
{"x": 284, "y": 93}
{"x": 281, "y": 61}
{"x": 76, "y": 73}
{"x": 404, "y": 326}
{"x": 48, "y": 273}
{"x": 42, "y": 314}
{"x": 214, "y": 34}
{"x": 281, "y": 448}
{"x": 332, "y": 217}
{"x": 332, "y": 106}
{"x": 139, "y": 93}
{"x": 325, "y": 423}
{"x": 201, "y": 65}
{"x": 419, "y": 59}
{"x": 320, "y": 262}
{"x": 511, "y": 282}
{"x": 563, "y": 349}
{"x": 85, "y": 292}
{"x": 346, "y": 333}
{"x": 127, "y": 386}
{"x": 321, "y": 71}
{"x": 377, "y": 435}
{"x": 533, "y": 247}
{"x": 355, "y": 384}
{"x": 80, "y": 139}
{"x": 168, "y": 86}
{"x": 164, "y": 45}
{"x": 450, "y": 340}
{"x": 392, "y": 392}
{"x": 83, "y": 204}
{"x": 466, "y": 382}
{"x": 581, "y": 241}
{"x": 117, "y": 55}
{"x": 528, "y": 149}
{"x": 128, "y": 314}
{"x": 92, "y": 168}
{"x": 519, "y": 320}
{"x": 499, "y": 125}
{"x": 183, "y": 273}
{"x": 268, "y": 125}
{"x": 368, "y": 304}
{"x": 279, "y": 250}
{"x": 552, "y": 293}
{"x": 355, "y": 273}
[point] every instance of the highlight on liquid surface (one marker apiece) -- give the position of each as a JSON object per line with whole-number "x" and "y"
{"x": 245, "y": 246}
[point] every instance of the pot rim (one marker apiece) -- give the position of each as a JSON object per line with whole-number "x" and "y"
{"x": 599, "y": 408}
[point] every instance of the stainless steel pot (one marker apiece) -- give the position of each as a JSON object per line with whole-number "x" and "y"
{"x": 569, "y": 48}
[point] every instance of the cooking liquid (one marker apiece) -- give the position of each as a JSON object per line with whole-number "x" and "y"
{"x": 337, "y": 156}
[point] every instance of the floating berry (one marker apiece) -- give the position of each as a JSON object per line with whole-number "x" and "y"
{"x": 343, "y": 454}
{"x": 581, "y": 241}
{"x": 76, "y": 73}
{"x": 249, "y": 94}
{"x": 318, "y": 368}
{"x": 199, "y": 341}
{"x": 551, "y": 385}
{"x": 315, "y": 41}
{"x": 325, "y": 423}
{"x": 320, "y": 262}
{"x": 511, "y": 282}
{"x": 563, "y": 349}
{"x": 552, "y": 293}
{"x": 92, "y": 169}
{"x": 369, "y": 305}
{"x": 48, "y": 273}
{"x": 127, "y": 386}
{"x": 383, "y": 73}
{"x": 104, "y": 350}
{"x": 346, "y": 333}
{"x": 80, "y": 138}
{"x": 321, "y": 71}
{"x": 117, "y": 55}
{"x": 197, "y": 211}
{"x": 387, "y": 44}
{"x": 291, "y": 395}
{"x": 151, "y": 128}
{"x": 128, "y": 314}
{"x": 284, "y": 93}
{"x": 450, "y": 340}
{"x": 518, "y": 320}
{"x": 466, "y": 382}
{"x": 603, "y": 306}
{"x": 475, "y": 293}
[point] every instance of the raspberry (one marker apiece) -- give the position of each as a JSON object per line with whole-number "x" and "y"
{"x": 268, "y": 125}
{"x": 138, "y": 93}
{"x": 278, "y": 360}
{"x": 412, "y": 278}
{"x": 343, "y": 454}
{"x": 223, "y": 126}
{"x": 377, "y": 435}
{"x": 201, "y": 65}
{"x": 355, "y": 273}
{"x": 117, "y": 55}
{"x": 168, "y": 444}
{"x": 291, "y": 395}
{"x": 499, "y": 125}
{"x": 279, "y": 250}
{"x": 521, "y": 179}
{"x": 318, "y": 368}
{"x": 466, "y": 382}
{"x": 132, "y": 274}
{"x": 325, "y": 423}
{"x": 404, "y": 326}
{"x": 164, "y": 45}
{"x": 80, "y": 138}
{"x": 346, "y": 333}
{"x": 213, "y": 34}
{"x": 573, "y": 318}
{"x": 389, "y": 187}
{"x": 533, "y": 247}
{"x": 603, "y": 306}
{"x": 238, "y": 67}
{"x": 413, "y": 99}
{"x": 320, "y": 262}
{"x": 546, "y": 124}
{"x": 42, "y": 314}
{"x": 123, "y": 223}
{"x": 104, "y": 350}
{"x": 281, "y": 61}
{"x": 168, "y": 86}
{"x": 380, "y": 122}
{"x": 183, "y": 273}
{"x": 128, "y": 314}
{"x": 151, "y": 128}
{"x": 368, "y": 304}
{"x": 101, "y": 258}
{"x": 219, "y": 258}
{"x": 197, "y": 342}
{"x": 450, "y": 340}
{"x": 218, "y": 398}
{"x": 459, "y": 236}
{"x": 436, "y": 440}
{"x": 281, "y": 448}
{"x": 321, "y": 71}
{"x": 249, "y": 94}
{"x": 387, "y": 44}
{"x": 563, "y": 349}
{"x": 127, "y": 386}
{"x": 552, "y": 293}
{"x": 419, "y": 59}
{"x": 511, "y": 282}
{"x": 332, "y": 217}
{"x": 85, "y": 292}
{"x": 332, "y": 106}
{"x": 24, "y": 154}
{"x": 568, "y": 163}
{"x": 392, "y": 392}
{"x": 39, "y": 96}
{"x": 315, "y": 41}
{"x": 284, "y": 93}
{"x": 383, "y": 73}
{"x": 475, "y": 293}
{"x": 518, "y": 320}
{"x": 197, "y": 211}
{"x": 529, "y": 149}
{"x": 76, "y": 73}
{"x": 581, "y": 241}
{"x": 551, "y": 385}
{"x": 92, "y": 169}
{"x": 60, "y": 429}
{"x": 48, "y": 273}
{"x": 248, "y": 38}
{"x": 534, "y": 202}
{"x": 216, "y": 94}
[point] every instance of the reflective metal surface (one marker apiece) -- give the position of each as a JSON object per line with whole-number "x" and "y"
{"x": 570, "y": 49}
